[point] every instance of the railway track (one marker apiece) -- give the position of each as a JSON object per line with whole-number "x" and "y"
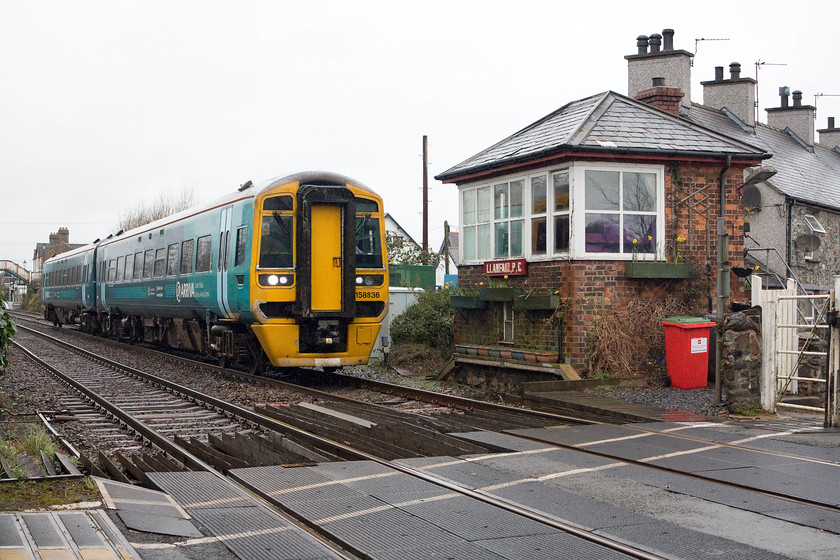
{"x": 345, "y": 422}
{"x": 148, "y": 412}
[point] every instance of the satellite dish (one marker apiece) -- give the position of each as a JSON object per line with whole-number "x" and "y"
{"x": 751, "y": 198}
{"x": 807, "y": 242}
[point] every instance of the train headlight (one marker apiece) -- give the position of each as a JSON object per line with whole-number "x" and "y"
{"x": 370, "y": 279}
{"x": 272, "y": 280}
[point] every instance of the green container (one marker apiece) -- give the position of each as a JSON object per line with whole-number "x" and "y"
{"x": 654, "y": 270}
{"x": 537, "y": 301}
{"x": 685, "y": 320}
{"x": 411, "y": 276}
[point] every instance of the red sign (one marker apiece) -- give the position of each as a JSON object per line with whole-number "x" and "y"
{"x": 512, "y": 267}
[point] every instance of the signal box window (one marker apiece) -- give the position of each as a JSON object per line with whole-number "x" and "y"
{"x": 276, "y": 241}
{"x": 187, "y": 256}
{"x": 203, "y": 257}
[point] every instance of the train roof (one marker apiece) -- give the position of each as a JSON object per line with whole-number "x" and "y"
{"x": 72, "y": 252}
{"x": 245, "y": 191}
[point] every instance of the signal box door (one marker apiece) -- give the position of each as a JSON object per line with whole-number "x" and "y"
{"x": 325, "y": 256}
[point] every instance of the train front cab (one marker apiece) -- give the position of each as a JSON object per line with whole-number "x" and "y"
{"x": 320, "y": 291}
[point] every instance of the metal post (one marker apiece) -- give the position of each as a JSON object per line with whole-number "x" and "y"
{"x": 446, "y": 245}
{"x": 722, "y": 292}
{"x": 425, "y": 193}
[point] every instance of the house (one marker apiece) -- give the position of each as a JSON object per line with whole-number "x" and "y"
{"x": 571, "y": 204}
{"x": 59, "y": 243}
{"x": 793, "y": 207}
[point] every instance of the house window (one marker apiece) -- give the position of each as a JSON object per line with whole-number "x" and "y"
{"x": 507, "y": 321}
{"x": 507, "y": 219}
{"x": 560, "y": 183}
{"x": 592, "y": 211}
{"x": 538, "y": 216}
{"x": 477, "y": 213}
{"x": 620, "y": 207}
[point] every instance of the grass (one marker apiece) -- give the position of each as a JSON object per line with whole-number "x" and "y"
{"x": 30, "y": 494}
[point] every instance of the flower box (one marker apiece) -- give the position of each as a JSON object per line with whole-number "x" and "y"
{"x": 536, "y": 301}
{"x": 532, "y": 356}
{"x": 467, "y": 302}
{"x": 658, "y": 270}
{"x": 501, "y": 293}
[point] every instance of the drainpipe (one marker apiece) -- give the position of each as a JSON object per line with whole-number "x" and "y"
{"x": 791, "y": 202}
{"x": 722, "y": 270}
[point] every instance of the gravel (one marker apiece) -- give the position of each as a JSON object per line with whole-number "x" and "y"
{"x": 697, "y": 401}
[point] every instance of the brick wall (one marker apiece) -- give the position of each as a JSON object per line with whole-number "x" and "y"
{"x": 590, "y": 288}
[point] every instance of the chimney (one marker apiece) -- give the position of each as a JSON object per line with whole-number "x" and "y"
{"x": 661, "y": 97}
{"x": 736, "y": 94}
{"x": 799, "y": 118}
{"x": 672, "y": 65}
{"x": 830, "y": 137}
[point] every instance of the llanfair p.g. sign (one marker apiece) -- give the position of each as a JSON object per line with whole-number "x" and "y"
{"x": 510, "y": 267}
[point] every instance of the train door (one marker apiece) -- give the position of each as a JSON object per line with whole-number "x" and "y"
{"x": 222, "y": 287}
{"x": 326, "y": 257}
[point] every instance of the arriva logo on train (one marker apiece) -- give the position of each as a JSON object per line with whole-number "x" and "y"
{"x": 189, "y": 290}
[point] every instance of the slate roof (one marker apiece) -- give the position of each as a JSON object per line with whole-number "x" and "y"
{"x": 808, "y": 175}
{"x": 606, "y": 122}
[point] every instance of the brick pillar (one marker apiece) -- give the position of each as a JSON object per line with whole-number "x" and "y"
{"x": 664, "y": 98}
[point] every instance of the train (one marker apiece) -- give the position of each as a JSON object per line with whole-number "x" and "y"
{"x": 290, "y": 272}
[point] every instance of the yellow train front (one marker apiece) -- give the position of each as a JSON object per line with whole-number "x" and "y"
{"x": 318, "y": 285}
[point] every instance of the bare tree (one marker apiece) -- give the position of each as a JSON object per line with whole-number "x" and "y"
{"x": 167, "y": 202}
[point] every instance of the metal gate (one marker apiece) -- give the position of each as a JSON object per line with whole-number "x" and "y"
{"x": 791, "y": 324}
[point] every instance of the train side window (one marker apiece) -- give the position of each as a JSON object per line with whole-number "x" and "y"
{"x": 203, "y": 258}
{"x": 160, "y": 262}
{"x": 148, "y": 263}
{"x": 129, "y": 266}
{"x": 187, "y": 256}
{"x": 78, "y": 275}
{"x": 112, "y": 268}
{"x": 241, "y": 246}
{"x": 172, "y": 260}
{"x": 120, "y": 267}
{"x": 138, "y": 266}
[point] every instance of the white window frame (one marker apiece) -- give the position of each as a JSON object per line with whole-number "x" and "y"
{"x": 576, "y": 213}
{"x": 579, "y": 218}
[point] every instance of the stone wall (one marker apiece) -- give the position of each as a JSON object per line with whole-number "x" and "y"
{"x": 741, "y": 359}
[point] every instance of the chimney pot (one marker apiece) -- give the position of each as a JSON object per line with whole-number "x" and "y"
{"x": 657, "y": 82}
{"x": 668, "y": 34}
{"x": 734, "y": 71}
{"x": 831, "y": 123}
{"x": 784, "y": 91}
{"x": 797, "y": 98}
{"x": 655, "y": 41}
{"x": 642, "y": 43}
{"x": 718, "y": 73}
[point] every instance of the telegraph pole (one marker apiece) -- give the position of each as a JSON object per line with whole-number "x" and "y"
{"x": 425, "y": 193}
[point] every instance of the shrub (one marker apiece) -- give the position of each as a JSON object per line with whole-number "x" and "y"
{"x": 7, "y": 332}
{"x": 428, "y": 322}
{"x": 629, "y": 341}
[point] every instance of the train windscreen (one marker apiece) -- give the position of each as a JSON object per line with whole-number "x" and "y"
{"x": 368, "y": 247}
{"x": 276, "y": 242}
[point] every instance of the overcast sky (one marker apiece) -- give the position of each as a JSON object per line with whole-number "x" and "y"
{"x": 105, "y": 103}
